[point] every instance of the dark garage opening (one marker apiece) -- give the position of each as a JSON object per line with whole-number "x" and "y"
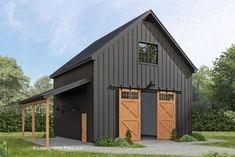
{"x": 71, "y": 105}
{"x": 148, "y": 114}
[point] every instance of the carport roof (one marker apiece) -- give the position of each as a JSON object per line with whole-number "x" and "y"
{"x": 56, "y": 91}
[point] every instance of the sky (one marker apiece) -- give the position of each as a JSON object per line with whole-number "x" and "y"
{"x": 42, "y": 35}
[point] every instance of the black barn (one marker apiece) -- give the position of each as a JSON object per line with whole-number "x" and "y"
{"x": 136, "y": 77}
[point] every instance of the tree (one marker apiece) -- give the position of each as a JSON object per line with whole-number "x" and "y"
{"x": 42, "y": 84}
{"x": 13, "y": 82}
{"x": 202, "y": 91}
{"x": 224, "y": 79}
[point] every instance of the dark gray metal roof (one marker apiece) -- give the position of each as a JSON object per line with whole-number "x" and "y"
{"x": 55, "y": 91}
{"x": 86, "y": 55}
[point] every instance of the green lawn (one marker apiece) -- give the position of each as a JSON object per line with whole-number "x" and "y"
{"x": 229, "y": 138}
{"x": 21, "y": 148}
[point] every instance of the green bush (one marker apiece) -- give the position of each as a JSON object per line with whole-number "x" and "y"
{"x": 212, "y": 120}
{"x": 199, "y": 137}
{"x": 174, "y": 135}
{"x": 117, "y": 142}
{"x": 4, "y": 150}
{"x": 230, "y": 114}
{"x": 187, "y": 138}
{"x": 120, "y": 142}
{"x": 108, "y": 142}
{"x": 104, "y": 142}
{"x": 128, "y": 137}
{"x": 214, "y": 154}
{"x": 10, "y": 121}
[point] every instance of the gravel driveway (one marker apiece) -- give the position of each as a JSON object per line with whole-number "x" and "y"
{"x": 153, "y": 146}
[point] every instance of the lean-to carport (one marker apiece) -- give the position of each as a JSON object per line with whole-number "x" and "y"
{"x": 43, "y": 98}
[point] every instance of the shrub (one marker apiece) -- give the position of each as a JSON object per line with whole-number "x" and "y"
{"x": 230, "y": 114}
{"x": 174, "y": 135}
{"x": 212, "y": 120}
{"x": 104, "y": 142}
{"x": 120, "y": 142}
{"x": 128, "y": 137}
{"x": 117, "y": 142}
{"x": 199, "y": 137}
{"x": 10, "y": 121}
{"x": 187, "y": 138}
{"x": 4, "y": 150}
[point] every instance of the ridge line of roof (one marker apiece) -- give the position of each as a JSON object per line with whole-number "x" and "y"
{"x": 86, "y": 54}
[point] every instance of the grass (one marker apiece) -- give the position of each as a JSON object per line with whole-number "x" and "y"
{"x": 229, "y": 138}
{"x": 136, "y": 145}
{"x": 22, "y": 148}
{"x": 213, "y": 154}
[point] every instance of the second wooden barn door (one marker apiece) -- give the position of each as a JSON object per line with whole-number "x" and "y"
{"x": 165, "y": 115}
{"x": 129, "y": 113}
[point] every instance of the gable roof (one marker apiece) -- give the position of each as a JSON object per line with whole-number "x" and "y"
{"x": 86, "y": 55}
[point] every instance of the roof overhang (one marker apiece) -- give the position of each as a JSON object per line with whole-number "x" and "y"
{"x": 47, "y": 94}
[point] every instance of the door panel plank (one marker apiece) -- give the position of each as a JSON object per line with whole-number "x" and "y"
{"x": 165, "y": 114}
{"x": 129, "y": 113}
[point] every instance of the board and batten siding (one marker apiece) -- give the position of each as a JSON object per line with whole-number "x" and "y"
{"x": 82, "y": 72}
{"x": 117, "y": 64}
{"x": 68, "y": 123}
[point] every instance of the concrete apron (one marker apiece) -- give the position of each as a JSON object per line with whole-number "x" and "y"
{"x": 163, "y": 147}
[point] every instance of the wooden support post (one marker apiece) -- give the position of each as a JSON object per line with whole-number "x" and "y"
{"x": 47, "y": 122}
{"x": 33, "y": 123}
{"x": 84, "y": 127}
{"x": 23, "y": 120}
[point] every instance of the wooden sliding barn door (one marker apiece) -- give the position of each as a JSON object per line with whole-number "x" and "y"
{"x": 166, "y": 111}
{"x": 129, "y": 113}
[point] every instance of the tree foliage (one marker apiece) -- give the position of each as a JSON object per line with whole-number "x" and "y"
{"x": 215, "y": 88}
{"x": 13, "y": 82}
{"x": 202, "y": 92}
{"x": 14, "y": 86}
{"x": 214, "y": 94}
{"x": 223, "y": 76}
{"x": 42, "y": 84}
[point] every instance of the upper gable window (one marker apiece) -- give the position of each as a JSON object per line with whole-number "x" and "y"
{"x": 148, "y": 53}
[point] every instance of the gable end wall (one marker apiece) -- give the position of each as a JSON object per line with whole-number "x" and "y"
{"x": 117, "y": 64}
